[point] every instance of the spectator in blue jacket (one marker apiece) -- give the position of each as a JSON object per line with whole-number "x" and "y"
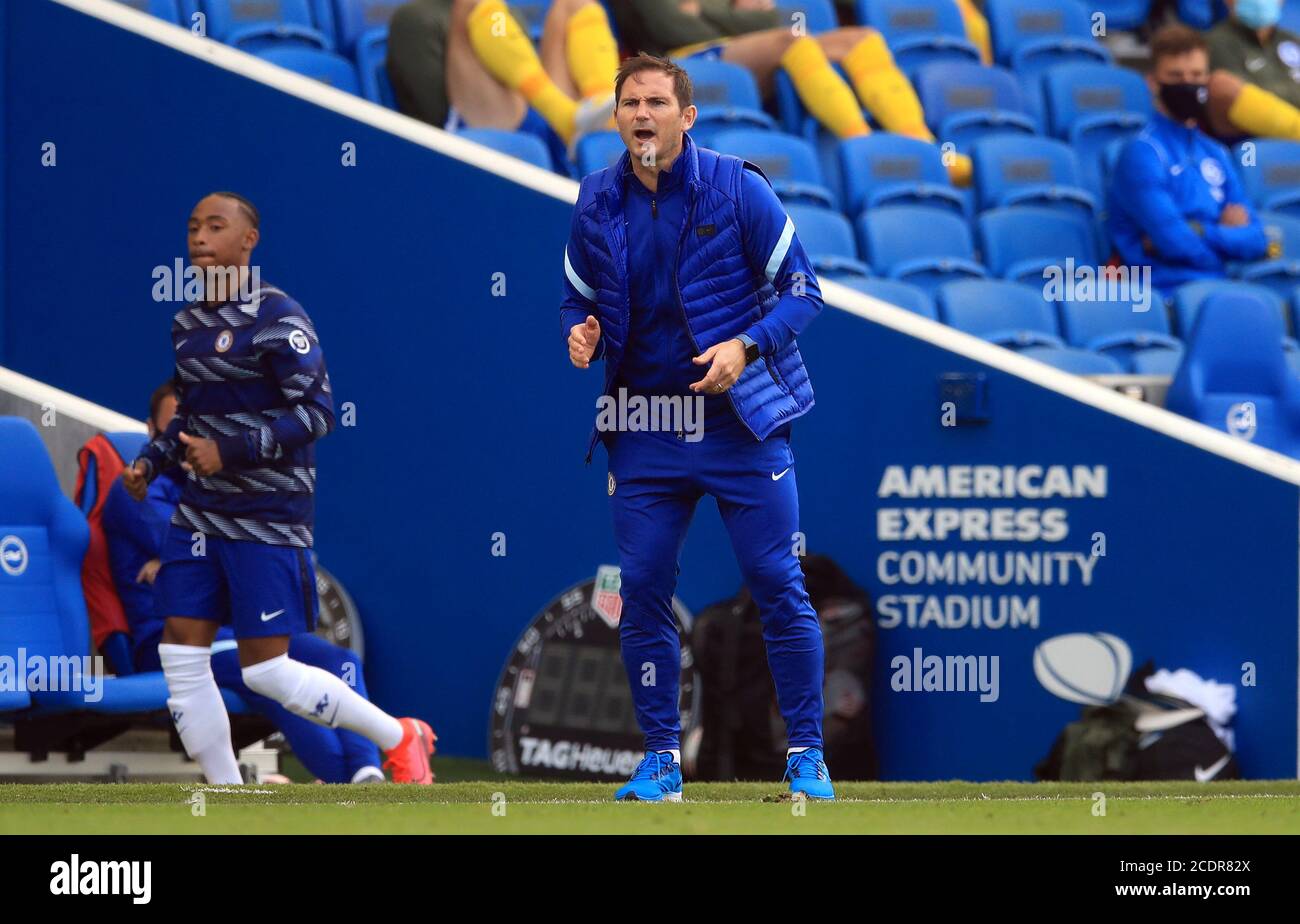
{"x": 1176, "y": 203}
{"x": 135, "y": 534}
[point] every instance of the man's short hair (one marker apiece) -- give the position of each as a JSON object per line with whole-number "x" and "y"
{"x": 166, "y": 390}
{"x": 1174, "y": 40}
{"x": 245, "y": 206}
{"x": 682, "y": 88}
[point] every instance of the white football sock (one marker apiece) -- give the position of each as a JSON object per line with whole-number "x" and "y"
{"x": 198, "y": 712}
{"x": 792, "y": 751}
{"x": 677, "y": 755}
{"x": 323, "y": 698}
{"x": 368, "y": 775}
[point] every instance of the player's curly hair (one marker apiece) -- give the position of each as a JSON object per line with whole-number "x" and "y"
{"x": 682, "y": 87}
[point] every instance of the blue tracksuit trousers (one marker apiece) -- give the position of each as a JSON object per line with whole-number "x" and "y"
{"x": 657, "y": 480}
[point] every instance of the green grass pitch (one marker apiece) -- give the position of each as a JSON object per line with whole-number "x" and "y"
{"x": 511, "y": 807}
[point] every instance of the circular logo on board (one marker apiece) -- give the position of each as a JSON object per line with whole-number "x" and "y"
{"x": 1289, "y": 54}
{"x": 298, "y": 340}
{"x": 13, "y": 555}
{"x": 1241, "y": 420}
{"x": 224, "y": 341}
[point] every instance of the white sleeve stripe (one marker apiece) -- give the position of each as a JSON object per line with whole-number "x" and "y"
{"x": 779, "y": 251}
{"x": 585, "y": 290}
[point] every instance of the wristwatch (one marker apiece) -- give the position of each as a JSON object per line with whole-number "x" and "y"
{"x": 751, "y": 348}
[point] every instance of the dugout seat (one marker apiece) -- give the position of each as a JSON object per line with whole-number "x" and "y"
{"x": 1076, "y": 361}
{"x": 257, "y": 25}
{"x": 899, "y": 294}
{"x": 965, "y": 101}
{"x": 790, "y": 163}
{"x": 372, "y": 69}
{"x": 1189, "y": 297}
{"x": 887, "y": 169}
{"x": 353, "y": 20}
{"x": 1282, "y": 273}
{"x": 827, "y": 238}
{"x": 1006, "y": 313}
{"x": 1044, "y": 172}
{"x": 1124, "y": 15}
{"x": 522, "y": 145}
{"x": 1235, "y": 376}
{"x": 324, "y": 66}
{"x": 1270, "y": 173}
{"x": 599, "y": 150}
{"x": 1030, "y": 36}
{"x": 1091, "y": 107}
{"x": 166, "y": 10}
{"x": 43, "y": 538}
{"x": 727, "y": 98}
{"x": 1020, "y": 242}
{"x": 1134, "y": 333}
{"x": 919, "y": 32}
{"x": 917, "y": 244}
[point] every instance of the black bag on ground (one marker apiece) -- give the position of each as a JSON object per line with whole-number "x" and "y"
{"x": 743, "y": 734}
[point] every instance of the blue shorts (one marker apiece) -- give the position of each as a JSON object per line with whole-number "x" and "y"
{"x": 258, "y": 590}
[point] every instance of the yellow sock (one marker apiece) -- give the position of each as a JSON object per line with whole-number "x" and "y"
{"x": 591, "y": 51}
{"x": 977, "y": 29}
{"x": 822, "y": 91}
{"x": 1259, "y": 112}
{"x": 883, "y": 89}
{"x": 510, "y": 57}
{"x": 959, "y": 169}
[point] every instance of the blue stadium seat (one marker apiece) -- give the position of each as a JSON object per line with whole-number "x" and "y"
{"x": 1074, "y": 360}
{"x": 1188, "y": 298}
{"x": 727, "y": 98}
{"x": 1092, "y": 98}
{"x": 827, "y": 238}
{"x": 1020, "y": 242}
{"x": 900, "y": 294}
{"x": 354, "y": 19}
{"x": 1134, "y": 333}
{"x": 1006, "y": 313}
{"x": 257, "y": 25}
{"x": 1281, "y": 274}
{"x": 1010, "y": 170}
{"x": 1201, "y": 14}
{"x": 918, "y": 244}
{"x": 43, "y": 538}
{"x": 524, "y": 145}
{"x": 1092, "y": 107}
{"x": 886, "y": 169}
{"x": 1270, "y": 172}
{"x": 166, "y": 10}
{"x": 1235, "y": 376}
{"x": 598, "y": 151}
{"x": 819, "y": 15}
{"x": 324, "y": 66}
{"x": 965, "y": 102}
{"x": 372, "y": 56}
{"x": 1123, "y": 15}
{"x": 919, "y": 32}
{"x": 789, "y": 162}
{"x": 1030, "y": 36}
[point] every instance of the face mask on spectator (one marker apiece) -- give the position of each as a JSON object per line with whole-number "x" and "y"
{"x": 1258, "y": 14}
{"x": 1185, "y": 100}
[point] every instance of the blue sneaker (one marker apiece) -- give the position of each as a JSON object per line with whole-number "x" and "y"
{"x": 807, "y": 774}
{"x": 656, "y": 779}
